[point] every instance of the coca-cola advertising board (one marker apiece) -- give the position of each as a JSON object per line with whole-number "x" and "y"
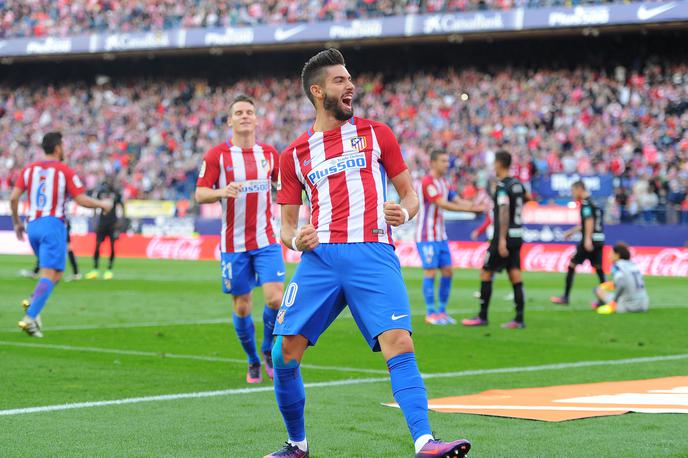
{"x": 535, "y": 257}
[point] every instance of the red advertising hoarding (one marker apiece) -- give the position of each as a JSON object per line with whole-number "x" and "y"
{"x": 535, "y": 257}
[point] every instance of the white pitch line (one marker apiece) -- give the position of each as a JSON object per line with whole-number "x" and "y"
{"x": 556, "y": 366}
{"x": 168, "y": 397}
{"x": 206, "y": 394}
{"x": 161, "y": 324}
{"x": 164, "y": 355}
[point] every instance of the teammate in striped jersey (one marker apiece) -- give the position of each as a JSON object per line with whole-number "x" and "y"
{"x": 49, "y": 183}
{"x": 348, "y": 258}
{"x": 240, "y": 173}
{"x": 431, "y": 236}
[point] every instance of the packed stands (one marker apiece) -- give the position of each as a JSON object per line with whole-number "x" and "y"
{"x": 152, "y": 133}
{"x": 26, "y": 18}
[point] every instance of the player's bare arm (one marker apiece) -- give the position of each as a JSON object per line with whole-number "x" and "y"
{"x": 304, "y": 238}
{"x": 206, "y": 195}
{"x": 460, "y": 205}
{"x": 503, "y": 229}
{"x": 395, "y": 214}
{"x": 574, "y": 230}
{"x": 587, "y": 243}
{"x": 19, "y": 228}
{"x": 89, "y": 202}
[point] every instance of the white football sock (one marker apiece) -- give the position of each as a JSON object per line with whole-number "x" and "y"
{"x": 422, "y": 440}
{"x": 302, "y": 445}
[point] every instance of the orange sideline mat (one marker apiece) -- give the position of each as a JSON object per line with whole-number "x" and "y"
{"x": 570, "y": 402}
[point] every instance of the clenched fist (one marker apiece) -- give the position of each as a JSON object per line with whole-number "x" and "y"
{"x": 231, "y": 191}
{"x": 394, "y": 215}
{"x": 307, "y": 238}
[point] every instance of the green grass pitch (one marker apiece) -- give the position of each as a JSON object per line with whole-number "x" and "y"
{"x": 162, "y": 327}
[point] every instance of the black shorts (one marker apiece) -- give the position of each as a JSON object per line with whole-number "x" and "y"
{"x": 594, "y": 256}
{"x": 496, "y": 263}
{"x": 109, "y": 230}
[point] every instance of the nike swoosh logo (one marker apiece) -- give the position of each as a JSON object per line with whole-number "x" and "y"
{"x": 645, "y": 13}
{"x": 307, "y": 161}
{"x": 397, "y": 317}
{"x": 284, "y": 34}
{"x": 279, "y": 274}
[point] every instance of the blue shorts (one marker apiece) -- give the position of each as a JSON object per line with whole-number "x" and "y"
{"x": 241, "y": 272}
{"x": 48, "y": 238}
{"x": 434, "y": 255}
{"x": 366, "y": 276}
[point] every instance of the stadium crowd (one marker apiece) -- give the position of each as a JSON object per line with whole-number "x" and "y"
{"x": 26, "y": 18}
{"x": 152, "y": 133}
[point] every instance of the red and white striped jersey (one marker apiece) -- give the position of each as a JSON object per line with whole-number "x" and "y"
{"x": 430, "y": 226}
{"x": 246, "y": 220}
{"x": 49, "y": 184}
{"x": 344, "y": 172}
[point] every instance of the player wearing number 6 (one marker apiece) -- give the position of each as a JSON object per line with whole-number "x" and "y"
{"x": 343, "y": 163}
{"x": 505, "y": 246}
{"x": 49, "y": 184}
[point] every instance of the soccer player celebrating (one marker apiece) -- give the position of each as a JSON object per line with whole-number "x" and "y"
{"x": 592, "y": 243}
{"x": 106, "y": 227}
{"x": 505, "y": 246}
{"x": 626, "y": 293}
{"x": 239, "y": 174}
{"x": 431, "y": 236}
{"x": 343, "y": 163}
{"x": 49, "y": 183}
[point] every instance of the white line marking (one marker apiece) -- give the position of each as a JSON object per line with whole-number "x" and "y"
{"x": 206, "y": 394}
{"x": 164, "y": 397}
{"x": 161, "y": 324}
{"x": 163, "y": 355}
{"x": 556, "y": 366}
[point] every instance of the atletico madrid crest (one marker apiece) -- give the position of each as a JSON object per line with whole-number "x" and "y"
{"x": 280, "y": 316}
{"x": 359, "y": 143}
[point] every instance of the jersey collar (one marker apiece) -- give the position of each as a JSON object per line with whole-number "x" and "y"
{"x": 311, "y": 132}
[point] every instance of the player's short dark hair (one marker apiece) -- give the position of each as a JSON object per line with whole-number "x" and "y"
{"x": 240, "y": 98}
{"x": 312, "y": 70}
{"x": 435, "y": 154}
{"x": 580, "y": 184}
{"x": 50, "y": 141}
{"x": 504, "y": 158}
{"x": 622, "y": 250}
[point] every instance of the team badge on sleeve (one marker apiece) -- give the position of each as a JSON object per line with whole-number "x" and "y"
{"x": 359, "y": 143}
{"x": 202, "y": 172}
{"x": 432, "y": 191}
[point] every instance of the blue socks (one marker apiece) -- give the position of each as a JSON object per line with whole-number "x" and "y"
{"x": 247, "y": 336}
{"x": 445, "y": 289}
{"x": 291, "y": 399}
{"x": 39, "y": 297}
{"x": 429, "y": 293}
{"x": 409, "y": 392}
{"x": 269, "y": 317}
